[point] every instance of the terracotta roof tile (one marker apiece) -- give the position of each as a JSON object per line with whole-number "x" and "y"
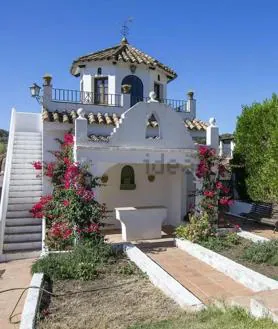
{"x": 126, "y": 53}
{"x": 110, "y": 119}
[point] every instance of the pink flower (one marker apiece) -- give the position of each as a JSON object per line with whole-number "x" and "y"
{"x": 225, "y": 201}
{"x": 37, "y": 165}
{"x": 68, "y": 139}
{"x": 66, "y": 203}
{"x": 50, "y": 169}
{"x": 219, "y": 185}
{"x": 209, "y": 194}
{"x": 203, "y": 150}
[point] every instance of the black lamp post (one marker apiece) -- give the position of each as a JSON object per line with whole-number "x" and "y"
{"x": 35, "y": 92}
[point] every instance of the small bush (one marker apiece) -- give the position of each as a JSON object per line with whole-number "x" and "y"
{"x": 198, "y": 229}
{"x": 262, "y": 252}
{"x": 84, "y": 262}
{"x": 219, "y": 243}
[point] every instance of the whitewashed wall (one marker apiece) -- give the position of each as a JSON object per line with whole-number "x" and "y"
{"x": 116, "y": 73}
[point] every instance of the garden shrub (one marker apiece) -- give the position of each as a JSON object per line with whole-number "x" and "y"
{"x": 198, "y": 229}
{"x": 72, "y": 213}
{"x": 219, "y": 243}
{"x": 262, "y": 252}
{"x": 84, "y": 262}
{"x": 256, "y": 150}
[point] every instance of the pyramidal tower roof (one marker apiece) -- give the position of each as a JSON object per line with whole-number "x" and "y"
{"x": 123, "y": 53}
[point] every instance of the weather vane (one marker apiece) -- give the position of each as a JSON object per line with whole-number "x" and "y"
{"x": 125, "y": 28}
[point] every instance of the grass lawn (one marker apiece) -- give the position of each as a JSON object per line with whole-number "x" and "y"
{"x": 211, "y": 319}
{"x": 127, "y": 298}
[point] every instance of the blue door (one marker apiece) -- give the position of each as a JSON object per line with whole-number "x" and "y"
{"x": 136, "y": 92}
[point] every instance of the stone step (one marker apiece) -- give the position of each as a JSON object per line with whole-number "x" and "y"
{"x": 33, "y": 176}
{"x": 22, "y": 181}
{"x": 19, "y": 246}
{"x": 22, "y": 254}
{"x": 22, "y": 237}
{"x": 23, "y": 229}
{"x": 22, "y": 200}
{"x": 265, "y": 304}
{"x": 22, "y": 194}
{"x": 27, "y": 147}
{"x": 27, "y": 171}
{"x": 27, "y": 133}
{"x": 27, "y": 138}
{"x": 20, "y": 206}
{"x": 29, "y": 143}
{"x": 19, "y": 214}
{"x": 29, "y": 158}
{"x": 31, "y": 188}
{"x": 22, "y": 162}
{"x": 27, "y": 165}
{"x": 22, "y": 221}
{"x": 27, "y": 153}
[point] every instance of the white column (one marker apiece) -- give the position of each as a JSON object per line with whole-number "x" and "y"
{"x": 191, "y": 105}
{"x": 221, "y": 148}
{"x": 47, "y": 91}
{"x": 212, "y": 136}
{"x": 81, "y": 127}
{"x": 125, "y": 101}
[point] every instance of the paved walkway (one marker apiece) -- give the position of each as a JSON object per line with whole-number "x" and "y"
{"x": 17, "y": 274}
{"x": 253, "y": 227}
{"x": 202, "y": 280}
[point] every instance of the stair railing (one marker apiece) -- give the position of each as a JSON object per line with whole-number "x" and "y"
{"x": 6, "y": 180}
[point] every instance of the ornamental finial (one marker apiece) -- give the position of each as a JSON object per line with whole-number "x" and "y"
{"x": 125, "y": 29}
{"x": 152, "y": 96}
{"x": 81, "y": 113}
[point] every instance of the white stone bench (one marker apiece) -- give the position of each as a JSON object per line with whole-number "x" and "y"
{"x": 141, "y": 223}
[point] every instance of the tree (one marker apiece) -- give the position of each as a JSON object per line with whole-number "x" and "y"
{"x": 256, "y": 150}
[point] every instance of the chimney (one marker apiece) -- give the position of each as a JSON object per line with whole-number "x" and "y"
{"x": 191, "y": 104}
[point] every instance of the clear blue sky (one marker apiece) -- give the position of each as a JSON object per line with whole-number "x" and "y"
{"x": 225, "y": 50}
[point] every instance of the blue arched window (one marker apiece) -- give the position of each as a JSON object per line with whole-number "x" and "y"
{"x": 137, "y": 89}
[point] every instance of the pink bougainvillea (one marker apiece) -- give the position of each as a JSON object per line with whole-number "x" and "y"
{"x": 37, "y": 165}
{"x": 215, "y": 195}
{"x": 71, "y": 212}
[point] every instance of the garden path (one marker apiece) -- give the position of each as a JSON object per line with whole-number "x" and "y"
{"x": 253, "y": 227}
{"x": 15, "y": 274}
{"x": 206, "y": 283}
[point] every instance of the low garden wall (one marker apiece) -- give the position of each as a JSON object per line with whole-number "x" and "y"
{"x": 31, "y": 305}
{"x": 247, "y": 277}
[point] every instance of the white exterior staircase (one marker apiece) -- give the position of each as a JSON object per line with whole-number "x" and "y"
{"x": 21, "y": 233}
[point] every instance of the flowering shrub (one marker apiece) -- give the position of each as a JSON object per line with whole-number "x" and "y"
{"x": 71, "y": 212}
{"x": 215, "y": 195}
{"x": 214, "y": 198}
{"x": 198, "y": 229}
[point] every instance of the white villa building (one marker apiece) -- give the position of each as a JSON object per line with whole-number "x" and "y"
{"x": 141, "y": 143}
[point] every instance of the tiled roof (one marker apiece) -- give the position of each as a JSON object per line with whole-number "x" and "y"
{"x": 110, "y": 119}
{"x": 124, "y": 53}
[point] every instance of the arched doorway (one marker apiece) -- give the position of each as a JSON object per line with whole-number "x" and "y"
{"x": 136, "y": 92}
